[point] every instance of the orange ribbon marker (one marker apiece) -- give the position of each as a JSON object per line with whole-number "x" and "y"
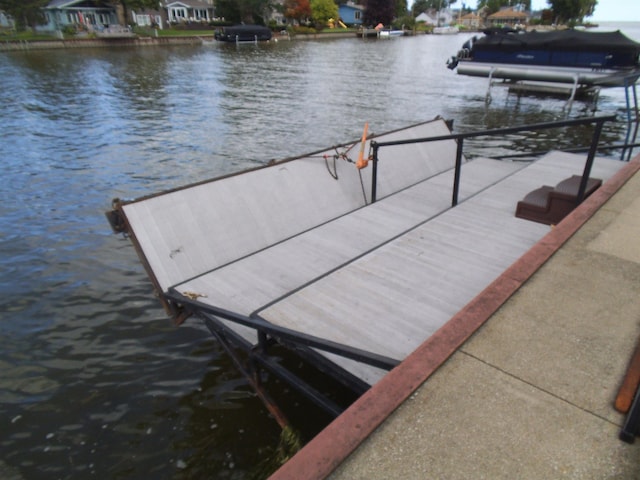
{"x": 363, "y": 162}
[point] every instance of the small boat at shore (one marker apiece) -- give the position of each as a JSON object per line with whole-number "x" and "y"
{"x": 243, "y": 33}
{"x": 390, "y": 33}
{"x": 605, "y": 59}
{"x": 446, "y": 30}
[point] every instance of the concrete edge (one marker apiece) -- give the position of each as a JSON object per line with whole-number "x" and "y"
{"x": 325, "y": 452}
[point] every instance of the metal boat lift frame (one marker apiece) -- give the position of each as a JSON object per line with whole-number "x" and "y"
{"x": 628, "y": 82}
{"x": 575, "y": 87}
{"x": 633, "y": 114}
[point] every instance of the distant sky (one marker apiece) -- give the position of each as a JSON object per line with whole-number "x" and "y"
{"x": 606, "y": 10}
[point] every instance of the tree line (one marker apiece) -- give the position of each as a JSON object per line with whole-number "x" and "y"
{"x": 558, "y": 11}
{"x": 29, "y": 13}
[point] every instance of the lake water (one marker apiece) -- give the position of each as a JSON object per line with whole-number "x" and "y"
{"x": 94, "y": 378}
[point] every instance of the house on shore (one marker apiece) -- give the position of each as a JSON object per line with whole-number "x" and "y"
{"x": 351, "y": 14}
{"x": 508, "y": 17}
{"x": 101, "y": 18}
{"x": 189, "y": 11}
{"x": 437, "y": 18}
{"x": 471, "y": 21}
{"x": 174, "y": 13}
{"x": 84, "y": 15}
{"x": 149, "y": 18}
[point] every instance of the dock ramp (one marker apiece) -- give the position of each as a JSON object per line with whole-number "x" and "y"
{"x": 299, "y": 253}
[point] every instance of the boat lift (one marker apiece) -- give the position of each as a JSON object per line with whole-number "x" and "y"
{"x": 541, "y": 82}
{"x": 543, "y": 85}
{"x": 633, "y": 115}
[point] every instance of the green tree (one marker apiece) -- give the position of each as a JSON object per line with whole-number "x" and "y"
{"x": 25, "y": 13}
{"x": 495, "y": 5}
{"x": 546, "y": 16}
{"x": 229, "y": 10}
{"x": 322, "y": 11}
{"x": 402, "y": 8}
{"x": 379, "y": 11}
{"x": 572, "y": 11}
{"x": 247, "y": 11}
{"x": 405, "y": 22}
{"x": 298, "y": 10}
{"x": 420, "y": 6}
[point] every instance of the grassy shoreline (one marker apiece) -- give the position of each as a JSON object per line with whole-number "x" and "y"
{"x": 141, "y": 38}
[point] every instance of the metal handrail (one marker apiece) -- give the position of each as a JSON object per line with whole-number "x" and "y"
{"x": 460, "y": 137}
{"x": 264, "y": 327}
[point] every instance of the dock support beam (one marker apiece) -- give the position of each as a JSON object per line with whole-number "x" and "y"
{"x": 595, "y": 139}
{"x": 456, "y": 175}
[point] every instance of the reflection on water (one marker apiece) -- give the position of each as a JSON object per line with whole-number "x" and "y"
{"x": 93, "y": 377}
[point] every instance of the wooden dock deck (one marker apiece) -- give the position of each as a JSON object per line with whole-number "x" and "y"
{"x": 394, "y": 298}
{"x": 272, "y": 275}
{"x": 308, "y": 252}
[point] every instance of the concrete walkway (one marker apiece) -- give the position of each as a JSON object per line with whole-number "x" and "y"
{"x": 521, "y": 382}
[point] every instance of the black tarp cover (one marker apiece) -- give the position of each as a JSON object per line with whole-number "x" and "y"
{"x": 560, "y": 40}
{"x": 562, "y": 48}
{"x": 244, "y": 33}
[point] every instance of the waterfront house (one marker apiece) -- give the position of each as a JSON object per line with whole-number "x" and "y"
{"x": 276, "y": 14}
{"x": 174, "y": 12}
{"x": 437, "y": 18}
{"x": 508, "y": 17}
{"x": 148, "y": 18}
{"x": 81, "y": 14}
{"x": 471, "y": 21}
{"x": 187, "y": 11}
{"x": 351, "y": 14}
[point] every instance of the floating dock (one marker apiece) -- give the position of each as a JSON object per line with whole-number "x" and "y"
{"x": 354, "y": 278}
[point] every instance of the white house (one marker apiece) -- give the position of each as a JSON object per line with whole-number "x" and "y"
{"x": 183, "y": 11}
{"x": 147, "y": 18}
{"x": 437, "y": 18}
{"x": 5, "y": 20}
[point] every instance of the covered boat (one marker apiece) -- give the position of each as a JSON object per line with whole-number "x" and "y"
{"x": 243, "y": 33}
{"x": 565, "y": 56}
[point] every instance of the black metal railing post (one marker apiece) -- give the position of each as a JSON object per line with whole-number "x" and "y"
{"x": 595, "y": 139}
{"x": 374, "y": 171}
{"x": 456, "y": 175}
{"x": 263, "y": 341}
